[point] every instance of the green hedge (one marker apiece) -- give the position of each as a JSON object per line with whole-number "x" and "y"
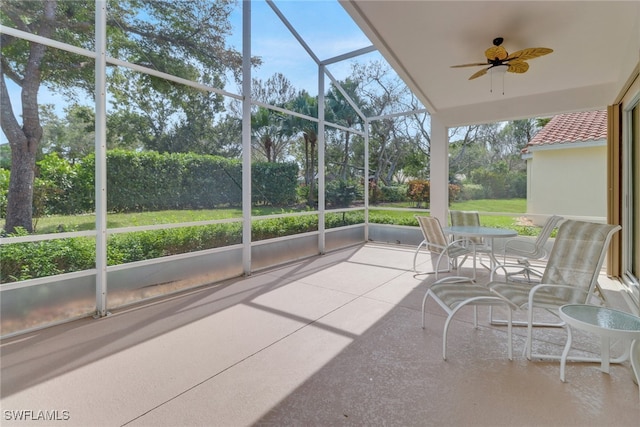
{"x": 143, "y": 245}
{"x": 22, "y": 261}
{"x": 274, "y": 184}
{"x": 150, "y": 181}
{"x": 393, "y": 193}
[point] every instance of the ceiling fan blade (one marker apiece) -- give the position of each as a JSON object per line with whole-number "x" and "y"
{"x": 496, "y": 52}
{"x": 477, "y": 64}
{"x": 479, "y": 73}
{"x": 518, "y": 66}
{"x": 530, "y": 53}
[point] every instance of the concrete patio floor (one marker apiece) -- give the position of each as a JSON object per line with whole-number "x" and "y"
{"x": 332, "y": 340}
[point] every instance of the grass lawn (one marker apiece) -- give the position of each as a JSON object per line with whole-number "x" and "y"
{"x": 518, "y": 206}
{"x": 55, "y": 223}
{"x": 485, "y": 207}
{"x": 482, "y": 205}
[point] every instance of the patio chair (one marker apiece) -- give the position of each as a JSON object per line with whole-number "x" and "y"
{"x": 526, "y": 250}
{"x": 470, "y": 219}
{"x": 466, "y": 219}
{"x": 455, "y": 292}
{"x": 436, "y": 242}
{"x": 570, "y": 276}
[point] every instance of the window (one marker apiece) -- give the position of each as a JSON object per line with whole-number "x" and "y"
{"x": 631, "y": 201}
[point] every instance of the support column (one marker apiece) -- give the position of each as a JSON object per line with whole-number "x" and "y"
{"x": 101, "y": 157}
{"x": 367, "y": 126}
{"x": 321, "y": 162}
{"x": 246, "y": 137}
{"x": 439, "y": 167}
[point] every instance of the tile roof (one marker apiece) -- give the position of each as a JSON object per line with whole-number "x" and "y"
{"x": 572, "y": 127}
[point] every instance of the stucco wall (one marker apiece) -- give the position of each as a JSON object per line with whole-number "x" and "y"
{"x": 568, "y": 181}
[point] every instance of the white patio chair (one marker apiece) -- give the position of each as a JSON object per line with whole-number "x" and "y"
{"x": 526, "y": 250}
{"x": 570, "y": 276}
{"x": 436, "y": 242}
{"x": 471, "y": 219}
{"x": 454, "y": 293}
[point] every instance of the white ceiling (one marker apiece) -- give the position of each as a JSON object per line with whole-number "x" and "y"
{"x": 596, "y": 47}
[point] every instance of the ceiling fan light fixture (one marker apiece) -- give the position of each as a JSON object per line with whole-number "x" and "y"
{"x": 499, "y": 69}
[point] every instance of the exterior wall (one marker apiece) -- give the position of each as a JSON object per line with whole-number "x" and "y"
{"x": 571, "y": 182}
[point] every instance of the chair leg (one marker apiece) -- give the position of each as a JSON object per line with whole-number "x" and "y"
{"x": 459, "y": 264}
{"x": 510, "y": 333}
{"x": 527, "y": 272}
{"x": 415, "y": 256}
{"x": 475, "y": 308}
{"x": 529, "y": 342}
{"x": 474, "y": 269}
{"x": 437, "y": 267}
{"x": 424, "y": 302}
{"x": 464, "y": 259}
{"x": 444, "y": 336}
{"x": 437, "y": 300}
{"x": 565, "y": 353}
{"x": 635, "y": 360}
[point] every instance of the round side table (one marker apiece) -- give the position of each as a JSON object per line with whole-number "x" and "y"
{"x": 607, "y": 323}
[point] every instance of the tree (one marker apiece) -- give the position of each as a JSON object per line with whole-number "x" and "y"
{"x": 342, "y": 113}
{"x": 466, "y": 151}
{"x": 515, "y": 135}
{"x": 270, "y": 139}
{"x": 226, "y": 137}
{"x": 490, "y": 155}
{"x": 391, "y": 139}
{"x": 72, "y": 138}
{"x": 294, "y": 125}
{"x": 266, "y": 130}
{"x": 174, "y": 118}
{"x": 129, "y": 130}
{"x": 184, "y": 38}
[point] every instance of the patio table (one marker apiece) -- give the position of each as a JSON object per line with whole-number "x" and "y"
{"x": 482, "y": 232}
{"x": 607, "y": 323}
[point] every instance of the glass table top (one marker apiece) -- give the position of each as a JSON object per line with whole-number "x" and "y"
{"x": 602, "y": 317}
{"x": 475, "y": 231}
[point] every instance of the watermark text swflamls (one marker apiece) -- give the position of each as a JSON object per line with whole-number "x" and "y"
{"x": 36, "y": 415}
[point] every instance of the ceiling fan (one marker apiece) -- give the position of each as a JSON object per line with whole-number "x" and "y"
{"x": 497, "y": 56}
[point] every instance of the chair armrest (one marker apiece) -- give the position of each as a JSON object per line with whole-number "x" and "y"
{"x": 572, "y": 288}
{"x": 462, "y": 242}
{"x": 519, "y": 247}
{"x": 504, "y": 266}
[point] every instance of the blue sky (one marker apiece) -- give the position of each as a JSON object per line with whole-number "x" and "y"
{"x": 325, "y": 27}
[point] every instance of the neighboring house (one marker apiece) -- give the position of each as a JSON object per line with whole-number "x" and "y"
{"x": 567, "y": 167}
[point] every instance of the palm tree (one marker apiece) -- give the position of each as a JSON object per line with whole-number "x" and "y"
{"x": 263, "y": 128}
{"x": 342, "y": 113}
{"x": 307, "y": 105}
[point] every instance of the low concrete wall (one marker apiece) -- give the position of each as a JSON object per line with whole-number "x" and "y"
{"x": 70, "y": 296}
